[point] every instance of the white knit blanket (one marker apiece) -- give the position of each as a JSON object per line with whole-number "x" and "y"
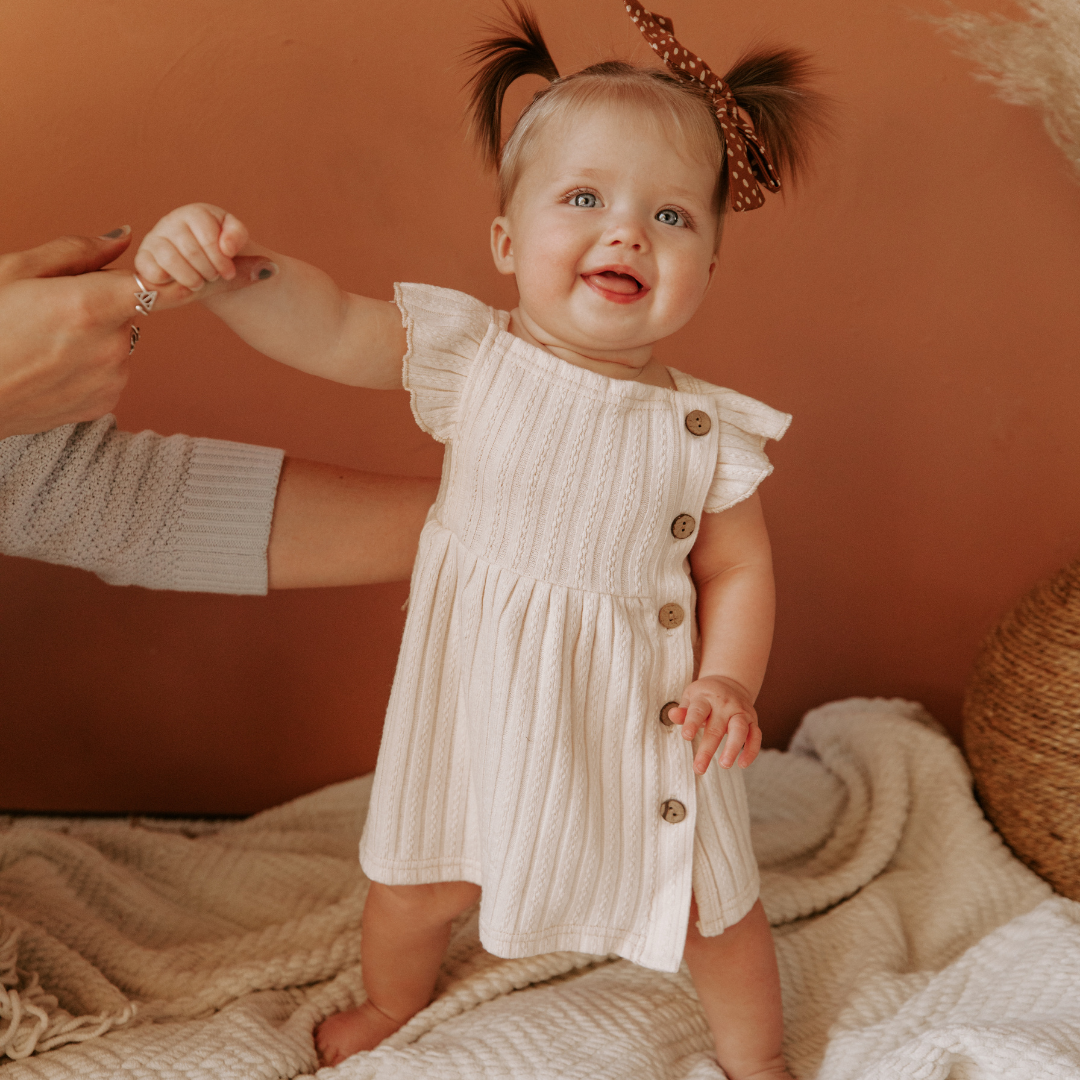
{"x": 912, "y": 944}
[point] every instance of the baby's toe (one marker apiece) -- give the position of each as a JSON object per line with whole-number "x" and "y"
{"x": 325, "y": 1048}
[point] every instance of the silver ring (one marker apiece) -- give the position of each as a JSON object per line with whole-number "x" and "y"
{"x": 134, "y": 339}
{"x": 144, "y": 298}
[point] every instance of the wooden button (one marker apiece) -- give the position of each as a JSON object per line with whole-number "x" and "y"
{"x": 683, "y": 526}
{"x": 673, "y": 811}
{"x": 664, "y": 718}
{"x": 671, "y": 615}
{"x": 698, "y": 423}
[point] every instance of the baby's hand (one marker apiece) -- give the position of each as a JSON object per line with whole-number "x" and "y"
{"x": 719, "y": 705}
{"x": 192, "y": 245}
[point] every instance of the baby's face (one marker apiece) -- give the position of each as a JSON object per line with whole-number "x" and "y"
{"x": 611, "y": 233}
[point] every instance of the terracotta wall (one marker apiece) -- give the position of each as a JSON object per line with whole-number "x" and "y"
{"x": 914, "y": 306}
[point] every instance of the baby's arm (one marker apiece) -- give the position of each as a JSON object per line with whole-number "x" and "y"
{"x": 732, "y": 567}
{"x": 302, "y": 319}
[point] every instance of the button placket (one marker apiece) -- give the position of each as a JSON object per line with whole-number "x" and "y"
{"x": 676, "y": 796}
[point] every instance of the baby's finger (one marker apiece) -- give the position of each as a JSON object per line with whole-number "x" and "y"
{"x": 706, "y": 749}
{"x": 752, "y": 747}
{"x": 201, "y": 255}
{"x": 697, "y": 713}
{"x": 148, "y": 268}
{"x": 209, "y": 232}
{"x": 710, "y": 742}
{"x": 738, "y": 727}
{"x": 234, "y": 236}
{"x": 173, "y": 262}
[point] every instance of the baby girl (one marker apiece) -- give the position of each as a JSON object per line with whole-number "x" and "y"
{"x": 595, "y": 574}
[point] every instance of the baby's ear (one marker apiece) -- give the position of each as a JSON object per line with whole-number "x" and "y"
{"x": 502, "y": 247}
{"x": 713, "y": 264}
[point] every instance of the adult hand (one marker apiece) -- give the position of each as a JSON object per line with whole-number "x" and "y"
{"x": 65, "y": 328}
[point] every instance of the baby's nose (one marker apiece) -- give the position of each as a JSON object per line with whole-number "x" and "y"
{"x": 628, "y": 233}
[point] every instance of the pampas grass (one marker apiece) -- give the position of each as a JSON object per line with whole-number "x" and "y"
{"x": 1035, "y": 63}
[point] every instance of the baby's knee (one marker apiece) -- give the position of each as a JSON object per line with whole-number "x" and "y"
{"x": 451, "y": 898}
{"x": 436, "y": 902}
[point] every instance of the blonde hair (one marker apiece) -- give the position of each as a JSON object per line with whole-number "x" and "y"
{"x": 769, "y": 85}
{"x": 616, "y": 84}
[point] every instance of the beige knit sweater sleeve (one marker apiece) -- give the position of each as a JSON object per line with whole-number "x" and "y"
{"x": 166, "y": 513}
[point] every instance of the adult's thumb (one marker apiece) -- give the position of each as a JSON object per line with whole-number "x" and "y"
{"x": 116, "y": 289}
{"x": 250, "y": 270}
{"x": 66, "y": 256}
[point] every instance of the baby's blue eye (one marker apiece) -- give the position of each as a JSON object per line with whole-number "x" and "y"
{"x": 670, "y": 217}
{"x": 584, "y": 198}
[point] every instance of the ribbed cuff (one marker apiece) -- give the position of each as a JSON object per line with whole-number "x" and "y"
{"x": 225, "y": 513}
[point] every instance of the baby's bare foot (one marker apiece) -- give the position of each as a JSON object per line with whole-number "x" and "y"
{"x": 347, "y": 1033}
{"x": 772, "y": 1071}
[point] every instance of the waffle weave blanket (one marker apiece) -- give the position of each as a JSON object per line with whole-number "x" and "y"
{"x": 912, "y": 944}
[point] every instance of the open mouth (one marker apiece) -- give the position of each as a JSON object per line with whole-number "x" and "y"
{"x": 616, "y": 285}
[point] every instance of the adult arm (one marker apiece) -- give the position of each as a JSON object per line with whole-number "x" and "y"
{"x": 202, "y": 515}
{"x": 165, "y": 513}
{"x": 337, "y": 526}
{"x": 169, "y": 513}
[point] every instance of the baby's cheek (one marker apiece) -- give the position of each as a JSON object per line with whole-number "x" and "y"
{"x": 544, "y": 275}
{"x": 687, "y": 282}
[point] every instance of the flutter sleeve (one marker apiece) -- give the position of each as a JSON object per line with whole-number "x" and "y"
{"x": 745, "y": 426}
{"x": 445, "y": 329}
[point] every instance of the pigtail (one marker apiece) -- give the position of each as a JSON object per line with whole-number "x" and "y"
{"x": 519, "y": 49}
{"x": 772, "y": 88}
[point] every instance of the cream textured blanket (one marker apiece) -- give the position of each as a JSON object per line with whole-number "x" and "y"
{"x": 912, "y": 944}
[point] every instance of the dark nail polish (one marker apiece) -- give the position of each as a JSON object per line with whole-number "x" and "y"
{"x": 116, "y": 233}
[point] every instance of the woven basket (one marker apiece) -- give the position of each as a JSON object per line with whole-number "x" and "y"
{"x": 1022, "y": 729}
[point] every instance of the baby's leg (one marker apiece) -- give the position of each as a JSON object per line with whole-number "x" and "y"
{"x": 737, "y": 981}
{"x": 406, "y": 929}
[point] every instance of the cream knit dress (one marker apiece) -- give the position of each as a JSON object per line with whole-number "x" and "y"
{"x": 523, "y": 748}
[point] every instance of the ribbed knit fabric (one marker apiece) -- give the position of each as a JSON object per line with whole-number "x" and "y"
{"x": 166, "y": 513}
{"x": 522, "y": 748}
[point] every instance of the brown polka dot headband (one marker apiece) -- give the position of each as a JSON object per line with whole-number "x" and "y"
{"x": 748, "y": 161}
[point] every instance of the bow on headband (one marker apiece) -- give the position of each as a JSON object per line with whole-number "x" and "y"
{"x": 748, "y": 161}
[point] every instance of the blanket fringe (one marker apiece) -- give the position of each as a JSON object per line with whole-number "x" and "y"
{"x": 31, "y": 1020}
